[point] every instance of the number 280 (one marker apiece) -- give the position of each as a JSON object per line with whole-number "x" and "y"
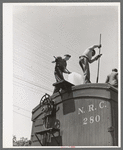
{"x": 91, "y": 120}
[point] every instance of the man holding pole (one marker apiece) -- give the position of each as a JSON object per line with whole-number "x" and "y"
{"x": 85, "y": 59}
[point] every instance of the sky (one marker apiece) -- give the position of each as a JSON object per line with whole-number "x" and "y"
{"x": 40, "y": 32}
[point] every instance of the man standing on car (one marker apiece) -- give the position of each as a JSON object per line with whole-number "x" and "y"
{"x": 85, "y": 59}
{"x": 60, "y": 68}
{"x": 112, "y": 78}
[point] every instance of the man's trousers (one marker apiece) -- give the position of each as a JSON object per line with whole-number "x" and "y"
{"x": 85, "y": 68}
{"x": 59, "y": 77}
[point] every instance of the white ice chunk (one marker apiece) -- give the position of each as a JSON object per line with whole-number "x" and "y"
{"x": 75, "y": 78}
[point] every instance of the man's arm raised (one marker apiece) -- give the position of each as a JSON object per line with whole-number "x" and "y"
{"x": 95, "y": 46}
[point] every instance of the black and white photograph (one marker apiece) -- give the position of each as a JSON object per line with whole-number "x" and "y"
{"x": 61, "y": 75}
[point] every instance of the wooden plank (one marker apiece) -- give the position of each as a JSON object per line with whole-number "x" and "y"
{"x": 63, "y": 84}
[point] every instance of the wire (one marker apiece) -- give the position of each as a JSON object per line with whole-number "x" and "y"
{"x": 40, "y": 92}
{"x": 45, "y": 78}
{"x": 36, "y": 71}
{"x": 43, "y": 34}
{"x": 31, "y": 83}
{"x": 42, "y": 76}
{"x": 43, "y": 43}
{"x": 38, "y": 63}
{"x": 21, "y": 114}
{"x": 21, "y": 108}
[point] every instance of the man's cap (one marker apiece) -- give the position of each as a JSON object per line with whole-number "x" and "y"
{"x": 115, "y": 70}
{"x": 67, "y": 55}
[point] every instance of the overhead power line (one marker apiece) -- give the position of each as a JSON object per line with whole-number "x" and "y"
{"x": 21, "y": 108}
{"x": 40, "y": 92}
{"x": 35, "y": 72}
{"x": 21, "y": 114}
{"x": 31, "y": 83}
{"x": 39, "y": 32}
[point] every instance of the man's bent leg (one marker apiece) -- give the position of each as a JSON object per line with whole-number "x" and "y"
{"x": 86, "y": 72}
{"x": 59, "y": 77}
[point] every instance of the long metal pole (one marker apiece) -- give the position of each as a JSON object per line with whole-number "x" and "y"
{"x": 98, "y": 61}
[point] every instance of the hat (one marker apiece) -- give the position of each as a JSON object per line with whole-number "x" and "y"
{"x": 67, "y": 55}
{"x": 115, "y": 70}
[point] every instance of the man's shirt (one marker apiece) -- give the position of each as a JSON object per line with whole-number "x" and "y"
{"x": 61, "y": 63}
{"x": 112, "y": 79}
{"x": 88, "y": 53}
